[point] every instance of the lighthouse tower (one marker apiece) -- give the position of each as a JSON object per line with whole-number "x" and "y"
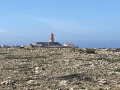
{"x": 51, "y": 37}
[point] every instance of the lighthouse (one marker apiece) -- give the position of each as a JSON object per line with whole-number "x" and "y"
{"x": 51, "y": 43}
{"x": 51, "y": 37}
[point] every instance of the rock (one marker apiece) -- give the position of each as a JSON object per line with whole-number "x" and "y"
{"x": 39, "y": 70}
{"x": 63, "y": 83}
{"x": 71, "y": 89}
{"x": 30, "y": 81}
{"x": 49, "y": 89}
{"x": 103, "y": 81}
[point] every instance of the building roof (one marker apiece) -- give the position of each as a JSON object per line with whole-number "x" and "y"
{"x": 68, "y": 44}
{"x": 47, "y": 44}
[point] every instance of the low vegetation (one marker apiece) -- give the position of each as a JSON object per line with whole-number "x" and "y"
{"x": 117, "y": 70}
{"x": 90, "y": 51}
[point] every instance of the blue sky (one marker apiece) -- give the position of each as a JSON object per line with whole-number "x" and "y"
{"x": 29, "y": 21}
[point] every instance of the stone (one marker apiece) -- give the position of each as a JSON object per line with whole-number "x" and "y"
{"x": 71, "y": 89}
{"x": 63, "y": 83}
{"x": 103, "y": 81}
{"x": 30, "y": 81}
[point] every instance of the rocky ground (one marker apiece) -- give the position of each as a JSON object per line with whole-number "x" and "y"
{"x": 59, "y": 69}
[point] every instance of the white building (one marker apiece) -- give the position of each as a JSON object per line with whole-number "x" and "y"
{"x": 67, "y": 44}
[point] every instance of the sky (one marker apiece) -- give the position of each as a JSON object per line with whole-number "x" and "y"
{"x": 82, "y": 22}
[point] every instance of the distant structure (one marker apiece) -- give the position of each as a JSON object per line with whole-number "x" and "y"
{"x": 51, "y": 37}
{"x": 49, "y": 44}
{"x": 68, "y": 44}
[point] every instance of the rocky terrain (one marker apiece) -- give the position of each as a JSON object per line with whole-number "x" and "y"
{"x": 59, "y": 69}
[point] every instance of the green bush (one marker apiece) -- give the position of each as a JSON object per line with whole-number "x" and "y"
{"x": 90, "y": 51}
{"x": 101, "y": 89}
{"x": 117, "y": 70}
{"x": 77, "y": 50}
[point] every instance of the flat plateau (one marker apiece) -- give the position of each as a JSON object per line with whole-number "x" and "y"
{"x": 59, "y": 69}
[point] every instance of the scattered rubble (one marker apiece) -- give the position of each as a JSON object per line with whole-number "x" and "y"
{"x": 59, "y": 69}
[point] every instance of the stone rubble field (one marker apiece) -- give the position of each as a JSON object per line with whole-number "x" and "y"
{"x": 59, "y": 69}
